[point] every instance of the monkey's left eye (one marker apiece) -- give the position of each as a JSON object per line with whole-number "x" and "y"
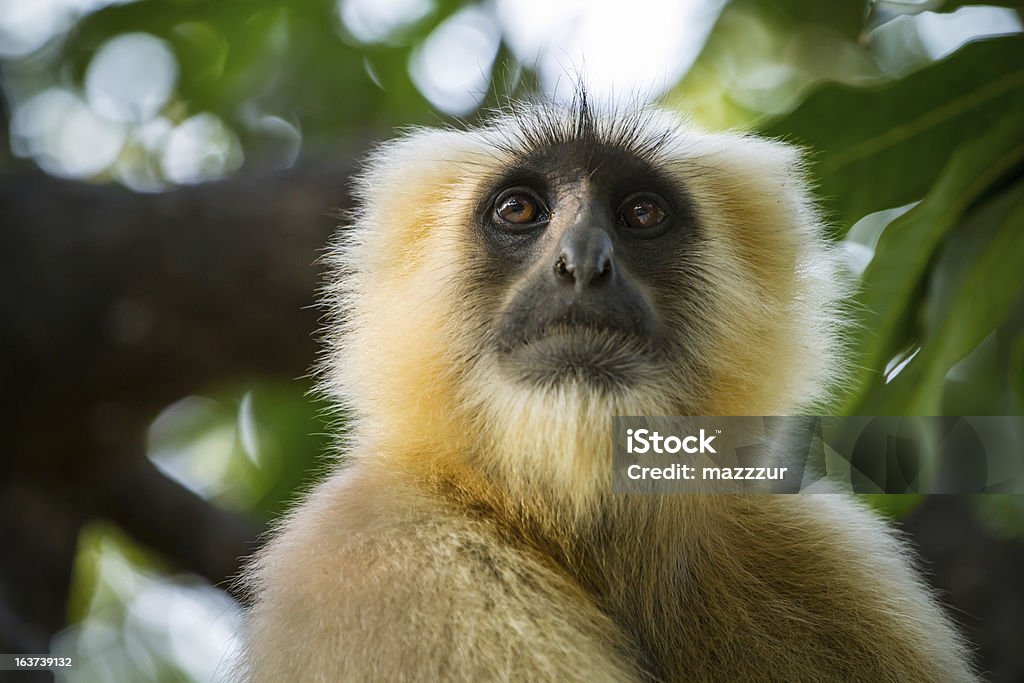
{"x": 519, "y": 206}
{"x": 642, "y": 212}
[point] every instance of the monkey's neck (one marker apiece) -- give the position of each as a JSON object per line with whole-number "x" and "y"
{"x": 567, "y": 525}
{"x": 537, "y": 465}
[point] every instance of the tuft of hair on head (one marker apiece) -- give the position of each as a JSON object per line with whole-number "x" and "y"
{"x": 523, "y": 125}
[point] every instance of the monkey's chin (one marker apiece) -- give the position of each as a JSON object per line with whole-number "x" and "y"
{"x": 605, "y": 360}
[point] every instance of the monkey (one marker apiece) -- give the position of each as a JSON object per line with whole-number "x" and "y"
{"x": 498, "y": 294}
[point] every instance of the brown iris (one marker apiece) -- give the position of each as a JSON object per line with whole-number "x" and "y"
{"x": 642, "y": 212}
{"x": 518, "y": 208}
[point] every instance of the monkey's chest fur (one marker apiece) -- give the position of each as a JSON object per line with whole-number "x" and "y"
{"x": 376, "y": 577}
{"x": 730, "y": 588}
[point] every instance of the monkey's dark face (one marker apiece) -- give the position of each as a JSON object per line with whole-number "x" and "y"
{"x": 559, "y": 264}
{"x": 582, "y": 242}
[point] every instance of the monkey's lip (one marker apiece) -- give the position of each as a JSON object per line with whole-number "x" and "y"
{"x": 581, "y": 336}
{"x": 606, "y": 355}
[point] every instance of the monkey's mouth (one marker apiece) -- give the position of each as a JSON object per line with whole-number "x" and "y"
{"x": 607, "y": 357}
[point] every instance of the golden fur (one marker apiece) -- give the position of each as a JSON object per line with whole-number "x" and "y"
{"x": 471, "y": 534}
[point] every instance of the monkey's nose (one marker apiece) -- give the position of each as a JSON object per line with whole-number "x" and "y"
{"x": 585, "y": 258}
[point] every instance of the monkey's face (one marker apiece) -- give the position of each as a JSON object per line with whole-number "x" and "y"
{"x": 584, "y": 242}
{"x": 555, "y": 267}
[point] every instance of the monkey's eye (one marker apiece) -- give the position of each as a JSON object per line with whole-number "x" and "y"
{"x": 519, "y": 206}
{"x": 642, "y": 212}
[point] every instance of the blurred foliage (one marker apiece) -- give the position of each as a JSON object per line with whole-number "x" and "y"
{"x": 281, "y": 56}
{"x": 251, "y": 448}
{"x": 893, "y": 149}
{"x": 949, "y": 272}
{"x": 136, "y": 625}
{"x": 918, "y": 158}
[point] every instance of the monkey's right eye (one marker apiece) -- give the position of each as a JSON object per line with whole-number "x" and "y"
{"x": 519, "y": 207}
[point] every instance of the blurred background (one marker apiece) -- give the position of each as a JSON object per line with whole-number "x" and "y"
{"x": 171, "y": 169}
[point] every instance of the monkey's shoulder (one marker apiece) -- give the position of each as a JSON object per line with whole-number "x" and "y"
{"x": 375, "y": 576}
{"x": 812, "y": 587}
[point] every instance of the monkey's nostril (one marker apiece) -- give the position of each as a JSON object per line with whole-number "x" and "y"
{"x": 584, "y": 274}
{"x": 562, "y": 269}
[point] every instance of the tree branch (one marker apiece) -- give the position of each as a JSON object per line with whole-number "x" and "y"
{"x": 113, "y": 305}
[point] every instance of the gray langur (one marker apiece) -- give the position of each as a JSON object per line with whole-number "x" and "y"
{"x": 499, "y": 294}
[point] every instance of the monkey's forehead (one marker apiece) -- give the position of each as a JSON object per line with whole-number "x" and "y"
{"x": 458, "y": 164}
{"x": 580, "y": 132}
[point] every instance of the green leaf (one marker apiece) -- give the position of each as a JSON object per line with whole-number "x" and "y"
{"x": 954, "y": 5}
{"x": 893, "y": 505}
{"x": 846, "y": 17}
{"x": 891, "y": 284}
{"x": 975, "y": 283}
{"x": 917, "y": 6}
{"x": 1017, "y": 371}
{"x": 980, "y": 384}
{"x": 880, "y": 147}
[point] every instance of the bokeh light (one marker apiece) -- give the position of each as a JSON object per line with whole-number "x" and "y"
{"x": 371, "y": 21}
{"x": 452, "y": 67}
{"x": 141, "y": 625}
{"x": 64, "y": 135}
{"x": 201, "y": 148}
{"x": 619, "y": 49}
{"x": 131, "y": 78}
